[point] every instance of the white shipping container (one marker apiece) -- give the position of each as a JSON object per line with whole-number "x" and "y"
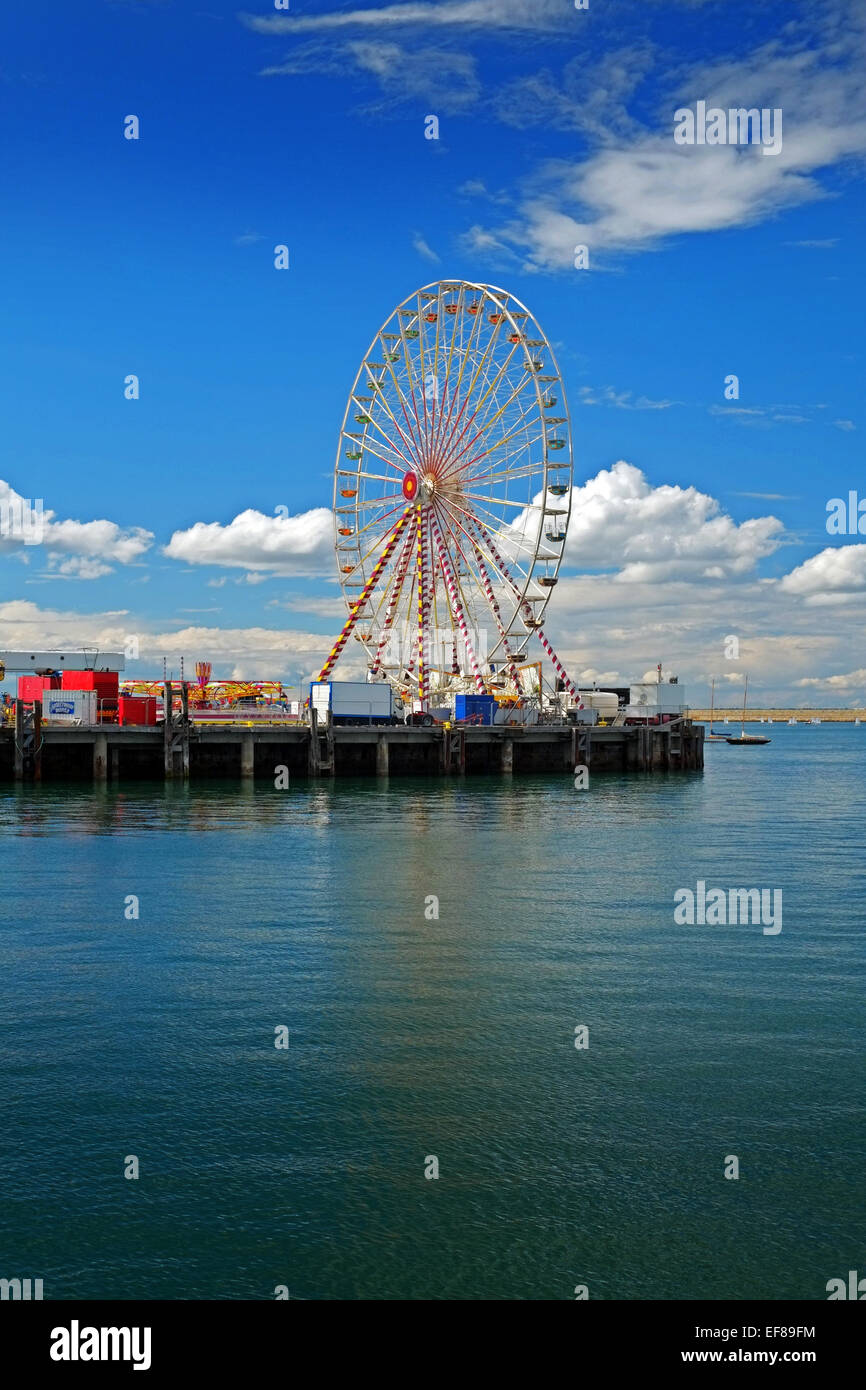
{"x": 352, "y": 699}
{"x": 69, "y": 706}
{"x": 651, "y": 698}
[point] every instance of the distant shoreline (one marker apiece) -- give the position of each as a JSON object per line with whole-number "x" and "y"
{"x": 831, "y": 716}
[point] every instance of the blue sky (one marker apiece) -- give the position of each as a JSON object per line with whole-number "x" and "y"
{"x": 694, "y": 517}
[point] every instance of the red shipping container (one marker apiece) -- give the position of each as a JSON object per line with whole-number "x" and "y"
{"x": 31, "y": 687}
{"x": 136, "y": 709}
{"x": 105, "y": 683}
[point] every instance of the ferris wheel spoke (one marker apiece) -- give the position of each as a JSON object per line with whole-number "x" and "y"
{"x": 507, "y": 438}
{"x": 375, "y": 521}
{"x": 379, "y": 399}
{"x": 480, "y": 403}
{"x": 389, "y": 443}
{"x": 474, "y": 332}
{"x": 427, "y": 375}
{"x": 523, "y": 447}
{"x": 512, "y": 538}
{"x": 417, "y": 443}
{"x": 512, "y": 430}
{"x": 410, "y": 376}
{"x": 458, "y": 321}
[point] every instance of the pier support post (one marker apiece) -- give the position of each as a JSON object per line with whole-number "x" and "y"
{"x": 167, "y": 697}
{"x": 508, "y": 755}
{"x": 184, "y": 728}
{"x": 100, "y": 758}
{"x": 176, "y": 732}
{"x": 248, "y": 757}
{"x": 313, "y": 745}
{"x": 382, "y": 756}
{"x": 28, "y": 741}
{"x": 19, "y": 741}
{"x": 114, "y": 763}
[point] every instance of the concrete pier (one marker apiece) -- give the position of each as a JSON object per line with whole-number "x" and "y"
{"x": 383, "y": 760}
{"x": 100, "y": 758}
{"x": 248, "y": 756}
{"x": 508, "y": 755}
{"x": 186, "y": 749}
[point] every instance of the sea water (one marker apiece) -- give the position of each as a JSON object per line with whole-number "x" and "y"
{"x": 484, "y": 972}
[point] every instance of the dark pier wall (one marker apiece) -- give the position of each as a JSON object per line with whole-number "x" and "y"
{"x": 114, "y": 754}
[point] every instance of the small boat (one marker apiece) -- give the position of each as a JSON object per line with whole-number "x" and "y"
{"x": 743, "y": 737}
{"x": 712, "y": 736}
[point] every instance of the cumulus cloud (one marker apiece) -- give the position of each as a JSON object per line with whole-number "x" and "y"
{"x": 854, "y": 680}
{"x": 72, "y": 549}
{"x": 650, "y": 534}
{"x": 277, "y": 545}
{"x": 836, "y": 575}
{"x": 652, "y": 573}
{"x": 278, "y": 653}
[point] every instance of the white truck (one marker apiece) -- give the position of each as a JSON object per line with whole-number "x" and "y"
{"x": 354, "y": 702}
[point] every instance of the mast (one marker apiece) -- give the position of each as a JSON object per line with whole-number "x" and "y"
{"x": 743, "y": 720}
{"x": 712, "y": 702}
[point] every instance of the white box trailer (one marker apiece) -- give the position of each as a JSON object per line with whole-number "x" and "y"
{"x": 651, "y": 700}
{"x": 353, "y": 702}
{"x": 69, "y": 706}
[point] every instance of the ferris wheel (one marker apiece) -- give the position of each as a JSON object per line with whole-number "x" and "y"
{"x": 452, "y": 492}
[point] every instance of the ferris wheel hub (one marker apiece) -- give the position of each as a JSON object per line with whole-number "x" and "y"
{"x": 410, "y": 486}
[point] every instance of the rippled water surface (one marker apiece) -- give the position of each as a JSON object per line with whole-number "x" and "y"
{"x": 412, "y": 1037}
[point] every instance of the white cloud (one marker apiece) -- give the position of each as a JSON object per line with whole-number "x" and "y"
{"x": 478, "y": 14}
{"x": 854, "y": 680}
{"x": 423, "y": 249}
{"x": 622, "y": 400}
{"x": 653, "y": 534}
{"x": 278, "y": 653}
{"x": 836, "y": 575}
{"x": 295, "y": 545}
{"x": 652, "y": 573}
{"x": 427, "y": 74}
{"x": 638, "y": 188}
{"x": 74, "y": 549}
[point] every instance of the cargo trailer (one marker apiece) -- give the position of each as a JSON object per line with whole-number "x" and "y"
{"x": 353, "y": 702}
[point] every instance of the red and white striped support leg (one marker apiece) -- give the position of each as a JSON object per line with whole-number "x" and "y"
{"x": 402, "y": 570}
{"x": 365, "y": 594}
{"x": 457, "y": 606}
{"x": 557, "y": 664}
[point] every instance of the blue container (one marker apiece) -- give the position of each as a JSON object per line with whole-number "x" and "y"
{"x": 480, "y": 709}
